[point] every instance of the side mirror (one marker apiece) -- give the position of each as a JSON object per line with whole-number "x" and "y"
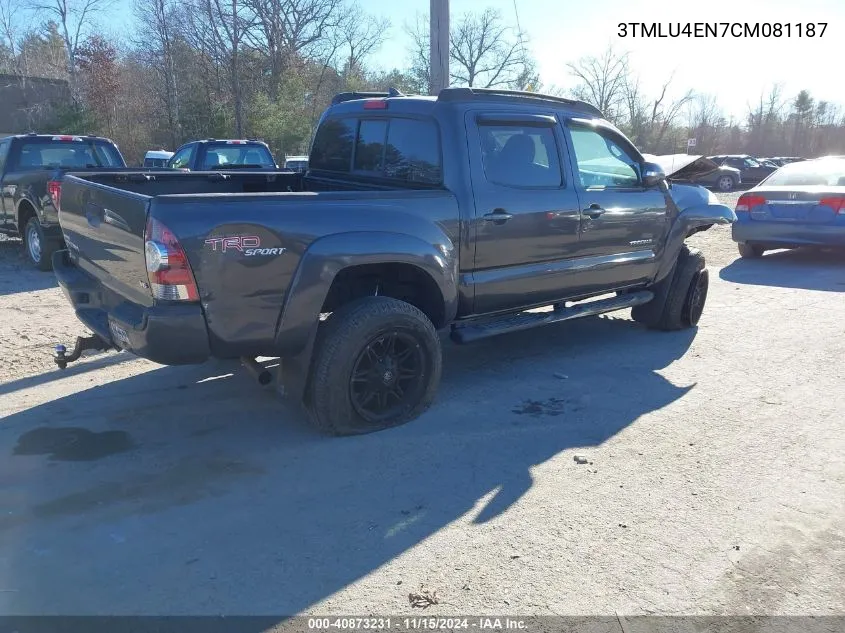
{"x": 653, "y": 175}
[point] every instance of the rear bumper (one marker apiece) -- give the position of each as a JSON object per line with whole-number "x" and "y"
{"x": 788, "y": 233}
{"x": 170, "y": 335}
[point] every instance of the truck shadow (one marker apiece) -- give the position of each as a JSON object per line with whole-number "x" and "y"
{"x": 807, "y": 268}
{"x": 91, "y": 362}
{"x": 244, "y": 509}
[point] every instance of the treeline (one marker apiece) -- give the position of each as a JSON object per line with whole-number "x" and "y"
{"x": 775, "y": 124}
{"x": 268, "y": 68}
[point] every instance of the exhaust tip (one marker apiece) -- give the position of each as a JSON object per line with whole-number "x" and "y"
{"x": 262, "y": 375}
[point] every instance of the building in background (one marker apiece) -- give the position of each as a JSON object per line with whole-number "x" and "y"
{"x": 29, "y": 103}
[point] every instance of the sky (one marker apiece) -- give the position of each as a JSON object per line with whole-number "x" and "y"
{"x": 735, "y": 70}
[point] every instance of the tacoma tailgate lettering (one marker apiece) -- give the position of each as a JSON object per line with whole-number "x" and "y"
{"x": 248, "y": 245}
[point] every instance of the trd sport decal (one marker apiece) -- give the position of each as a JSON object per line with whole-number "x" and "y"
{"x": 247, "y": 245}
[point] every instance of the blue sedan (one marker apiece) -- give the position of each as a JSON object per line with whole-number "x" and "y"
{"x": 801, "y": 204}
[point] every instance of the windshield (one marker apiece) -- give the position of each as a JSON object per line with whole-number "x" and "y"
{"x": 813, "y": 173}
{"x": 225, "y": 155}
{"x": 39, "y": 154}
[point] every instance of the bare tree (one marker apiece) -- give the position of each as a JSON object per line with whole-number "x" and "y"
{"x": 419, "y": 67}
{"x": 361, "y": 35}
{"x": 602, "y": 81}
{"x": 665, "y": 111}
{"x": 155, "y": 40}
{"x": 706, "y": 121}
{"x": 9, "y": 39}
{"x": 762, "y": 120}
{"x": 75, "y": 20}
{"x": 291, "y": 29}
{"x": 484, "y": 53}
{"x": 223, "y": 29}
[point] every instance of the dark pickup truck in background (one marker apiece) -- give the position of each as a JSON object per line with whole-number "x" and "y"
{"x": 416, "y": 214}
{"x": 31, "y": 167}
{"x": 217, "y": 154}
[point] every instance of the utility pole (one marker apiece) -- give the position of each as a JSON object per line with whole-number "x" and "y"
{"x": 439, "y": 41}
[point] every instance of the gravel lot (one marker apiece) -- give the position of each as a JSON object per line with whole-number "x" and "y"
{"x": 715, "y": 482}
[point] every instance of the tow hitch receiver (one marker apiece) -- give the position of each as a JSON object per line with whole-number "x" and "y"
{"x": 83, "y": 343}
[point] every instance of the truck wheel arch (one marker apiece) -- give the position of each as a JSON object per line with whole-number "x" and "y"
{"x": 26, "y": 210}
{"x": 329, "y": 269}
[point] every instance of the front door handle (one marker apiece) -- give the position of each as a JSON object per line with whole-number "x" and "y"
{"x": 499, "y": 216}
{"x": 593, "y": 211}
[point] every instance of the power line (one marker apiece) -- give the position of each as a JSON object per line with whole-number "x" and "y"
{"x": 518, "y": 28}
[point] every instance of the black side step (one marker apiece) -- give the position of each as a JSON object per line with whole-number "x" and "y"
{"x": 527, "y": 320}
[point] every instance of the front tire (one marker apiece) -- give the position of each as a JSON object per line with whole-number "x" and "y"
{"x": 726, "y": 183}
{"x": 679, "y": 299}
{"x": 750, "y": 251}
{"x": 39, "y": 249}
{"x": 377, "y": 364}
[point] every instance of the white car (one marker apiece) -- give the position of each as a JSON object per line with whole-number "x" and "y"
{"x": 296, "y": 163}
{"x": 157, "y": 158}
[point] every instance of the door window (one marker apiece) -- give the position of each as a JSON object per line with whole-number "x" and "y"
{"x": 183, "y": 157}
{"x": 601, "y": 161}
{"x": 520, "y": 156}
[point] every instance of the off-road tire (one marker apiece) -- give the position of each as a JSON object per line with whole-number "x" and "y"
{"x": 750, "y": 251}
{"x": 41, "y": 256}
{"x": 671, "y": 308}
{"x": 342, "y": 339}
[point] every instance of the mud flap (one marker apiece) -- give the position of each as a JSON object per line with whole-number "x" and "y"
{"x": 294, "y": 372}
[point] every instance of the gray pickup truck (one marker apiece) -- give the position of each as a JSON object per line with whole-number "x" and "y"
{"x": 31, "y": 168}
{"x": 417, "y": 214}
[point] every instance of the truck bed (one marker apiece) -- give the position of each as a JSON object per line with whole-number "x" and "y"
{"x": 104, "y": 218}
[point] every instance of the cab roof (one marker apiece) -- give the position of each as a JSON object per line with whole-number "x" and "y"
{"x": 395, "y": 100}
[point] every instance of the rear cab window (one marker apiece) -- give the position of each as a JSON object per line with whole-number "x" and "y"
{"x": 72, "y": 152}
{"x": 389, "y": 148}
{"x": 228, "y": 154}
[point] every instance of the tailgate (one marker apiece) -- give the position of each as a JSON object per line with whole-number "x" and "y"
{"x": 104, "y": 230}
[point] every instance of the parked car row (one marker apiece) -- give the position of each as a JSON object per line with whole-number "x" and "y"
{"x": 32, "y": 166}
{"x": 724, "y": 172}
{"x": 217, "y": 154}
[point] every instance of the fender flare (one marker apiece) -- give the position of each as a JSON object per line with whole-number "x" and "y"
{"x": 685, "y": 223}
{"x": 35, "y": 208}
{"x": 328, "y": 256}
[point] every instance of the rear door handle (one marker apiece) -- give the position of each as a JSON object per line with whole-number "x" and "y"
{"x": 593, "y": 211}
{"x": 499, "y": 216}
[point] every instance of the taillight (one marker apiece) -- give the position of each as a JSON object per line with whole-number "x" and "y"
{"x": 748, "y": 201}
{"x": 168, "y": 270}
{"x": 54, "y": 188}
{"x": 837, "y": 204}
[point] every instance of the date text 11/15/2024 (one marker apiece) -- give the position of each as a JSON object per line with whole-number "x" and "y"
{"x": 417, "y": 624}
